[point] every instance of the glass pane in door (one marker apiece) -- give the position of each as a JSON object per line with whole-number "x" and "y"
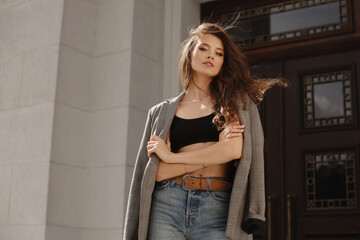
{"x": 330, "y": 180}
{"x": 327, "y": 99}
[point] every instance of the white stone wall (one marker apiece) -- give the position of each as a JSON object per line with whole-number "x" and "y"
{"x": 29, "y": 47}
{"x": 77, "y": 78}
{"x": 88, "y": 163}
{"x": 110, "y": 74}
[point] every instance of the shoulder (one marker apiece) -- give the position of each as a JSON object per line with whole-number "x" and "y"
{"x": 246, "y": 104}
{"x": 155, "y": 110}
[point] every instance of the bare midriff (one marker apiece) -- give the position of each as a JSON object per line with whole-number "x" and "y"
{"x": 213, "y": 170}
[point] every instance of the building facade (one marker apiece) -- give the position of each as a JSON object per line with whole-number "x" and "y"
{"x": 76, "y": 80}
{"x": 78, "y": 76}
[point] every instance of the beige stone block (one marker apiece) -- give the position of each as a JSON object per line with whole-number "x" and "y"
{"x": 5, "y": 187}
{"x": 39, "y": 23}
{"x": 103, "y": 197}
{"x": 109, "y": 143}
{"x": 114, "y": 26}
{"x": 65, "y": 200}
{"x": 22, "y": 232}
{"x": 39, "y": 75}
{"x": 101, "y": 234}
{"x": 159, "y": 4}
{"x": 78, "y": 30}
{"x": 62, "y": 233}
{"x": 136, "y": 127}
{"x": 10, "y": 81}
{"x": 100, "y": 1}
{"x": 25, "y": 134}
{"x": 9, "y": 30}
{"x": 73, "y": 87}
{"x": 29, "y": 190}
{"x": 148, "y": 30}
{"x": 71, "y": 143}
{"x": 146, "y": 82}
{"x": 172, "y": 41}
{"x": 110, "y": 84}
{"x": 26, "y": 25}
{"x": 6, "y": 4}
{"x": 190, "y": 16}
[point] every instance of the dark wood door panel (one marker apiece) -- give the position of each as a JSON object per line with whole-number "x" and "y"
{"x": 331, "y": 225}
{"x": 286, "y": 147}
{"x": 311, "y": 154}
{"x": 316, "y": 163}
{"x": 333, "y": 237}
{"x": 272, "y": 153}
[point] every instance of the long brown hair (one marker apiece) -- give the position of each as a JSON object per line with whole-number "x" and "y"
{"x": 233, "y": 83}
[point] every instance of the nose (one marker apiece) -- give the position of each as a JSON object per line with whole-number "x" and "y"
{"x": 210, "y": 56}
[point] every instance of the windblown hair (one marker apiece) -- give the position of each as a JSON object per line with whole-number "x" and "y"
{"x": 233, "y": 83}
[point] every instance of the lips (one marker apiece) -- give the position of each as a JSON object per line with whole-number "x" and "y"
{"x": 210, "y": 64}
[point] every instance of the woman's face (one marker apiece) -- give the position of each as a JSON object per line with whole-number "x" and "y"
{"x": 208, "y": 55}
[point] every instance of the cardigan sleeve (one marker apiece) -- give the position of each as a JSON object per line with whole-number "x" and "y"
{"x": 255, "y": 219}
{"x": 133, "y": 205}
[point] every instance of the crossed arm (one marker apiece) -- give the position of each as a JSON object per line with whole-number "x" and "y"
{"x": 171, "y": 165}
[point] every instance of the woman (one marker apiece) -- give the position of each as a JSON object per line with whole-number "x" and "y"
{"x": 193, "y": 147}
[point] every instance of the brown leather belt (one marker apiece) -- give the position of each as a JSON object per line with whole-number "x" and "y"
{"x": 200, "y": 183}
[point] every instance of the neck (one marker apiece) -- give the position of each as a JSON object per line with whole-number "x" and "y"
{"x": 199, "y": 87}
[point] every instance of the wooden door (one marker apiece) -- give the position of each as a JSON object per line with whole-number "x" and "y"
{"x": 311, "y": 128}
{"x": 312, "y": 141}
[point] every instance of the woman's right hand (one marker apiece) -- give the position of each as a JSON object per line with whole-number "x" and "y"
{"x": 233, "y": 129}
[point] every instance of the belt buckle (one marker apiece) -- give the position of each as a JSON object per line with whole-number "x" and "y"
{"x": 184, "y": 183}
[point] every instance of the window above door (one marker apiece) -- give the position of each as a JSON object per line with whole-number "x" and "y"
{"x": 269, "y": 30}
{"x": 288, "y": 21}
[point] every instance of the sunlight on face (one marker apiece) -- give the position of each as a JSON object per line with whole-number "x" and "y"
{"x": 208, "y": 55}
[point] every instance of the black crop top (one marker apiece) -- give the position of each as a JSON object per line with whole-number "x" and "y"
{"x": 184, "y": 132}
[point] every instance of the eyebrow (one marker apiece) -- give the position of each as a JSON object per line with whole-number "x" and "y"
{"x": 209, "y": 46}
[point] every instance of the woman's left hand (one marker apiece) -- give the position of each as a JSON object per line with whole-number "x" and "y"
{"x": 158, "y": 146}
{"x": 233, "y": 129}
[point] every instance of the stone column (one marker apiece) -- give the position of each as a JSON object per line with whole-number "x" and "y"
{"x": 110, "y": 74}
{"x": 77, "y": 78}
{"x": 29, "y": 49}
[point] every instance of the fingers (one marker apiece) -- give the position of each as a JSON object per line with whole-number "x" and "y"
{"x": 155, "y": 143}
{"x": 237, "y": 130}
{"x": 231, "y": 135}
{"x": 151, "y": 145}
{"x": 155, "y": 138}
{"x": 150, "y": 148}
{"x": 234, "y": 129}
{"x": 227, "y": 129}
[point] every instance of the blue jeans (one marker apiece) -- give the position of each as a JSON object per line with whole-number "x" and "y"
{"x": 180, "y": 214}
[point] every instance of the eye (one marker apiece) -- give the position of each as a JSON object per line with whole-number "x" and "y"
{"x": 220, "y": 54}
{"x": 202, "y": 48}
